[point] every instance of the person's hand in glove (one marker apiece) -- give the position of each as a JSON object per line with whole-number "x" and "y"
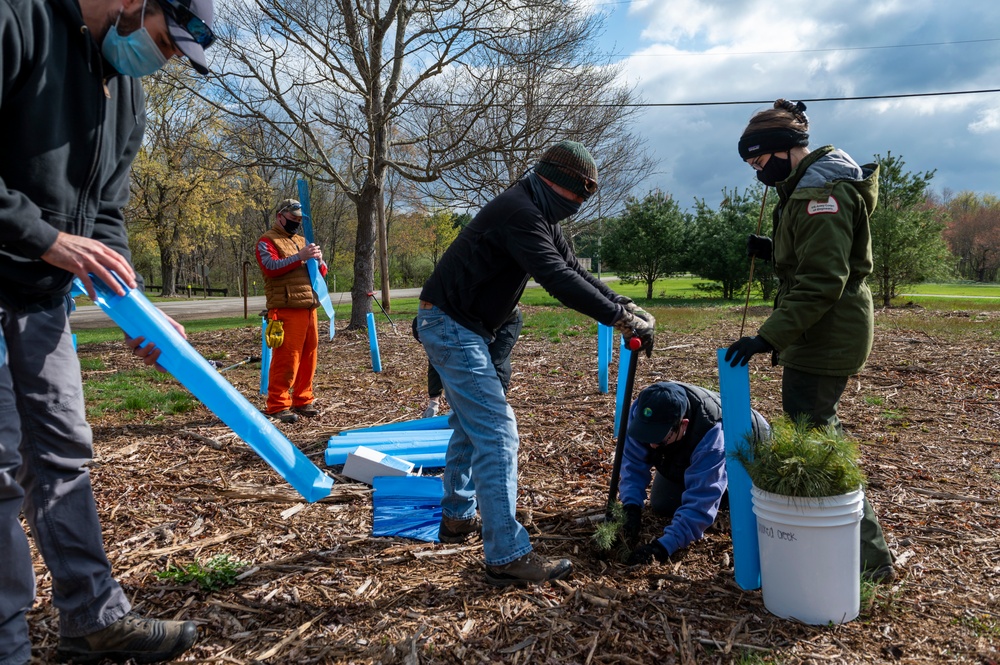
{"x": 633, "y": 523}
{"x": 630, "y": 306}
{"x": 648, "y": 552}
{"x": 631, "y": 325}
{"x": 759, "y": 246}
{"x": 740, "y": 351}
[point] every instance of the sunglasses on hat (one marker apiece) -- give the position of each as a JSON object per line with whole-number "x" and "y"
{"x": 181, "y": 14}
{"x": 292, "y": 207}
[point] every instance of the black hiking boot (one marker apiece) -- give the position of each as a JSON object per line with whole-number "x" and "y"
{"x": 531, "y": 568}
{"x": 458, "y": 531}
{"x": 131, "y": 637}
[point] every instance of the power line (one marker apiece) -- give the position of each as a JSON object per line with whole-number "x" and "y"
{"x": 809, "y": 50}
{"x": 815, "y": 99}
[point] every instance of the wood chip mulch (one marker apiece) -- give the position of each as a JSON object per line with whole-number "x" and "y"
{"x": 317, "y": 588}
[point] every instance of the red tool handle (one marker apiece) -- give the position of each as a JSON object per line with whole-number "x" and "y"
{"x": 633, "y": 343}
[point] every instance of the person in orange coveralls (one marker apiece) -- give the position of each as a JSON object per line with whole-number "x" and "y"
{"x": 282, "y": 255}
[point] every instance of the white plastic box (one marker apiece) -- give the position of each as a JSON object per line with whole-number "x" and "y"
{"x": 364, "y": 464}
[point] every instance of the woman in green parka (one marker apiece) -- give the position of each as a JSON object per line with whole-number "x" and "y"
{"x": 822, "y": 326}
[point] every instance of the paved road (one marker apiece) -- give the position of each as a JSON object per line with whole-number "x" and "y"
{"x": 92, "y": 316}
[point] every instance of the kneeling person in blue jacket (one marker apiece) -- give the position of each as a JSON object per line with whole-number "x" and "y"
{"x": 674, "y": 431}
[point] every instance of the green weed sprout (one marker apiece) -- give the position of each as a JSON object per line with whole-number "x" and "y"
{"x": 217, "y": 573}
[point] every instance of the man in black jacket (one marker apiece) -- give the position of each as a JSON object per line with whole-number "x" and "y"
{"x": 472, "y": 291}
{"x": 73, "y": 113}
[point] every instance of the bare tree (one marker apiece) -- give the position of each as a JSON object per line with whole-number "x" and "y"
{"x": 358, "y": 88}
{"x": 554, "y": 84}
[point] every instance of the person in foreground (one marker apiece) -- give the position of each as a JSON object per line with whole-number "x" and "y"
{"x": 472, "y": 291}
{"x": 74, "y": 114}
{"x": 282, "y": 255}
{"x": 675, "y": 432}
{"x": 822, "y": 327}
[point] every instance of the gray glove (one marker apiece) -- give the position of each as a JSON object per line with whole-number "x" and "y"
{"x": 631, "y": 325}
{"x": 630, "y": 306}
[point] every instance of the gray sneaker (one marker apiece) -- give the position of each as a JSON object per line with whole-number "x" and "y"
{"x": 143, "y": 640}
{"x": 531, "y": 568}
{"x": 458, "y": 531}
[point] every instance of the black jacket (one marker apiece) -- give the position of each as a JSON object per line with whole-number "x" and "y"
{"x": 71, "y": 128}
{"x": 482, "y": 275}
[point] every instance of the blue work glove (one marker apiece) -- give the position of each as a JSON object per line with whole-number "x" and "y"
{"x": 740, "y": 351}
{"x": 647, "y": 553}
{"x": 759, "y": 246}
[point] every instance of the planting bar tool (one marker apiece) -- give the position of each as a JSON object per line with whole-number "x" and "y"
{"x": 248, "y": 359}
{"x": 633, "y": 345}
{"x": 371, "y": 294}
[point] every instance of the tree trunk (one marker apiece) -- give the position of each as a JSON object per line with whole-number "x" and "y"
{"x": 364, "y": 258}
{"x": 168, "y": 270}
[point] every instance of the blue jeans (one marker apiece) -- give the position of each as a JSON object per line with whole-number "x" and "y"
{"x": 45, "y": 443}
{"x": 481, "y": 463}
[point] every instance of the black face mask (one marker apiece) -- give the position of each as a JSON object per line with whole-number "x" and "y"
{"x": 555, "y": 207}
{"x": 776, "y": 170}
{"x": 291, "y": 227}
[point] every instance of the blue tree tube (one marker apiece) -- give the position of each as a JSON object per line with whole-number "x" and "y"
{"x": 312, "y": 265}
{"x": 435, "y": 422}
{"x": 734, "y": 387}
{"x": 428, "y": 460}
{"x": 603, "y": 360}
{"x": 137, "y": 317}
{"x": 265, "y": 357}
{"x": 623, "y": 363}
{"x": 373, "y": 344}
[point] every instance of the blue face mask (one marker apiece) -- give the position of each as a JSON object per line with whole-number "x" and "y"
{"x": 135, "y": 55}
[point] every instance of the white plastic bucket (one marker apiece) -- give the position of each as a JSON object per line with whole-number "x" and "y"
{"x": 810, "y": 555}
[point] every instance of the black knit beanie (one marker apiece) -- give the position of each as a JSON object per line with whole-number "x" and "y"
{"x": 569, "y": 165}
{"x": 767, "y": 141}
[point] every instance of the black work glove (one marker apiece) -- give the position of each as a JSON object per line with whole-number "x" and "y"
{"x": 647, "y": 553}
{"x": 759, "y": 246}
{"x": 631, "y": 325}
{"x": 416, "y": 336}
{"x": 740, "y": 351}
{"x": 633, "y": 523}
{"x": 630, "y": 306}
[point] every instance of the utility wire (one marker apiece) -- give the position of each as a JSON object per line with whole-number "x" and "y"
{"x": 808, "y": 50}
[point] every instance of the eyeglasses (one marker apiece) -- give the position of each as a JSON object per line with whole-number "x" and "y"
{"x": 756, "y": 164}
{"x": 197, "y": 28}
{"x": 291, "y": 206}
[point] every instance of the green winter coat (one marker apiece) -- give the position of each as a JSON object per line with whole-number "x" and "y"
{"x": 823, "y": 320}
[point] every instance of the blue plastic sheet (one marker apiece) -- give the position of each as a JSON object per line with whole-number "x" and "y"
{"x": 436, "y": 422}
{"x": 373, "y": 344}
{"x": 734, "y": 387}
{"x": 312, "y": 265}
{"x": 407, "y": 506}
{"x": 137, "y": 317}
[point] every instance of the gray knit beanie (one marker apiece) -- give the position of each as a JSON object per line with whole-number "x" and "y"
{"x": 569, "y": 165}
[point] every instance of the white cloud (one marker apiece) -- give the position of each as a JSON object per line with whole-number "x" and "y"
{"x": 989, "y": 121}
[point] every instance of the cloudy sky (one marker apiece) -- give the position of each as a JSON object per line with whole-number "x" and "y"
{"x": 691, "y": 51}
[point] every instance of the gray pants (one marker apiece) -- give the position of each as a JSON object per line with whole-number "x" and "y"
{"x": 45, "y": 442}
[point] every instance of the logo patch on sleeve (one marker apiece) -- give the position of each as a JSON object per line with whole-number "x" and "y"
{"x": 828, "y": 207}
